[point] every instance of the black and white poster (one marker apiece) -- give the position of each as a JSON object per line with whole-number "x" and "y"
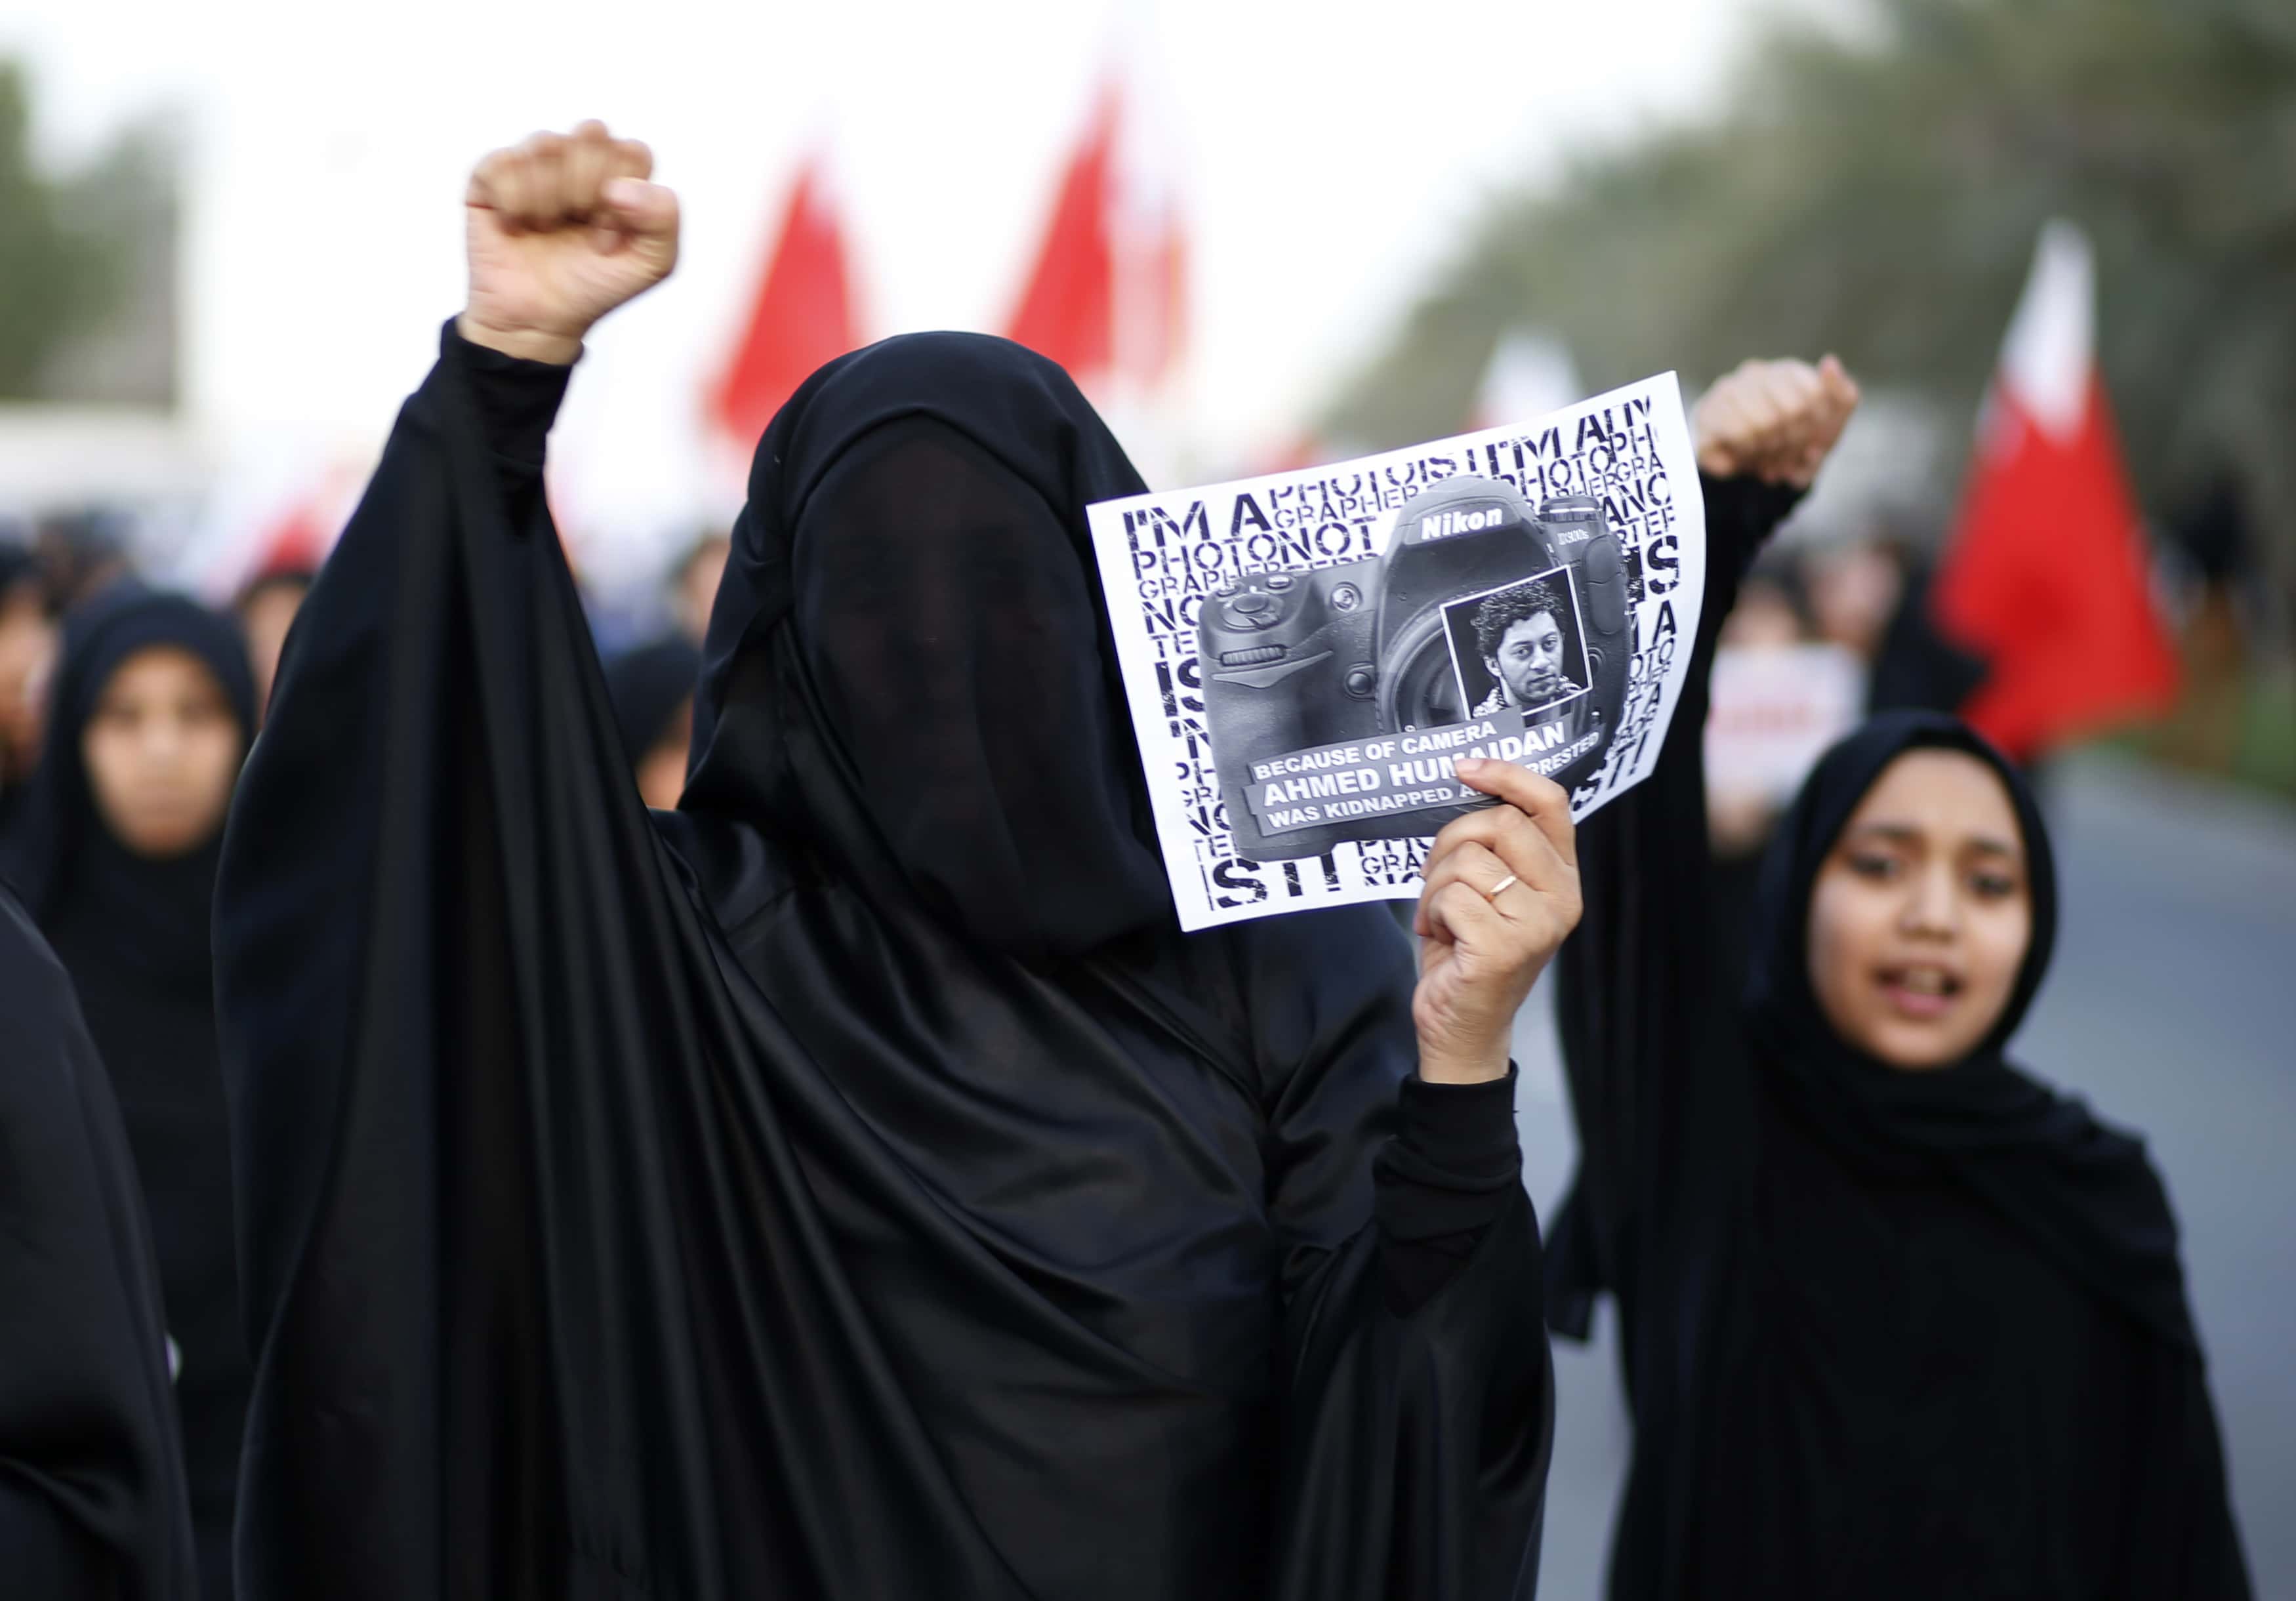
{"x": 1307, "y": 654}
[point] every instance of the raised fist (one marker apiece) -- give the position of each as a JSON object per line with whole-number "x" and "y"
{"x": 564, "y": 228}
{"x": 1774, "y": 421}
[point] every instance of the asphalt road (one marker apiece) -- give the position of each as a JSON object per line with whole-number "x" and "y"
{"x": 2172, "y": 1008}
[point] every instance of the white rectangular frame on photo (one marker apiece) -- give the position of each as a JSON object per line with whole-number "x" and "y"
{"x": 1578, "y": 632}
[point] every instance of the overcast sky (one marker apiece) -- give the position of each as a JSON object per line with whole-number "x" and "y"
{"x": 1331, "y": 154}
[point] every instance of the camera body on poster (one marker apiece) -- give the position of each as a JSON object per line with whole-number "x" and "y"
{"x": 1299, "y": 659}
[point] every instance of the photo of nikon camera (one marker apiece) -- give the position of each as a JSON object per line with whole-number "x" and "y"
{"x": 1478, "y": 603}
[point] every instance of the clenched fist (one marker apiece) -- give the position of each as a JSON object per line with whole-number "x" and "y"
{"x": 1501, "y": 894}
{"x": 564, "y": 228}
{"x": 1773, "y": 420}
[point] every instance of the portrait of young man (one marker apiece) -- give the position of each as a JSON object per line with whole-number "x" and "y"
{"x": 1525, "y": 639}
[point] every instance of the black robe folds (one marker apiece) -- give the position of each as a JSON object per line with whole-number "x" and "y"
{"x": 1884, "y": 1334}
{"x": 851, "y": 1184}
{"x": 92, "y": 1490}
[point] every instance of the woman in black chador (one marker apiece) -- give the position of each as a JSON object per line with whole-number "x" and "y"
{"x": 1896, "y": 1318}
{"x": 114, "y": 851}
{"x": 850, "y": 1183}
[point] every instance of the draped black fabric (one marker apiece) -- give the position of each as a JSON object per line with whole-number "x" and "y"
{"x": 646, "y": 685}
{"x": 134, "y": 934}
{"x": 1633, "y": 987}
{"x": 933, "y": 656}
{"x": 1884, "y": 1334}
{"x": 851, "y": 1183}
{"x": 92, "y": 1492}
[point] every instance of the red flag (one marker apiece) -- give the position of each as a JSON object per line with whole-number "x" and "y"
{"x": 1068, "y": 312}
{"x": 2047, "y": 574}
{"x": 294, "y": 533}
{"x": 803, "y": 315}
{"x": 1106, "y": 298}
{"x": 298, "y": 540}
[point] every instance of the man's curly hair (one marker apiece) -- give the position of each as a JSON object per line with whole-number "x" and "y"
{"x": 1501, "y": 611}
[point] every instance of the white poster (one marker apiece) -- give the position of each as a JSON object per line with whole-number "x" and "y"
{"x": 1306, "y": 654}
{"x": 1772, "y": 711}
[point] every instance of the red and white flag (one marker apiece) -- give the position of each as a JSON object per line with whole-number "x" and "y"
{"x": 304, "y": 533}
{"x": 2047, "y": 574}
{"x": 274, "y": 507}
{"x": 1106, "y": 297}
{"x": 803, "y": 314}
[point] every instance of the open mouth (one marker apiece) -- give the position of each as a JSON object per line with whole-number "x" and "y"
{"x": 1920, "y": 990}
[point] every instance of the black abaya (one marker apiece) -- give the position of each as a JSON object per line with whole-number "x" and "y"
{"x": 92, "y": 1492}
{"x": 133, "y": 932}
{"x": 852, "y": 1183}
{"x": 1884, "y": 1334}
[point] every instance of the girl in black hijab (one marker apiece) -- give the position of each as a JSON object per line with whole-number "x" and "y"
{"x": 851, "y": 1183}
{"x": 1896, "y": 1318}
{"x": 114, "y": 852}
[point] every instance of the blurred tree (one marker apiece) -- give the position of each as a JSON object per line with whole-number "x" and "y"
{"x": 1878, "y": 192}
{"x": 73, "y": 252}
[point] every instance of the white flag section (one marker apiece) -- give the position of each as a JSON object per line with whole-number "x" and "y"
{"x": 1307, "y": 654}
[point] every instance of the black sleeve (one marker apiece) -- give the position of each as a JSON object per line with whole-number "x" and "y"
{"x": 1453, "y": 1167}
{"x": 436, "y": 818}
{"x": 1741, "y": 516}
{"x": 1419, "y": 1410}
{"x": 1634, "y": 1006}
{"x": 515, "y": 402}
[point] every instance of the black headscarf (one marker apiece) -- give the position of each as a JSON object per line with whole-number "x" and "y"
{"x": 2085, "y": 1192}
{"x": 976, "y": 756}
{"x": 58, "y": 850}
{"x": 18, "y": 565}
{"x": 647, "y": 684}
{"x": 134, "y": 934}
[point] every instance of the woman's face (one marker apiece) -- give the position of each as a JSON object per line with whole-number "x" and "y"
{"x": 1921, "y": 916}
{"x": 161, "y": 751}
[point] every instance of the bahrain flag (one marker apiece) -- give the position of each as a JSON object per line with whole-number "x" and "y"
{"x": 1105, "y": 298}
{"x": 2046, "y": 576}
{"x": 802, "y": 315}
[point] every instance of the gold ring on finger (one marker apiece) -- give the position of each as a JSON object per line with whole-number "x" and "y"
{"x": 1500, "y": 888}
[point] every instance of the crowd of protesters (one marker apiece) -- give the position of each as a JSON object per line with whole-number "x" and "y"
{"x": 741, "y": 1119}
